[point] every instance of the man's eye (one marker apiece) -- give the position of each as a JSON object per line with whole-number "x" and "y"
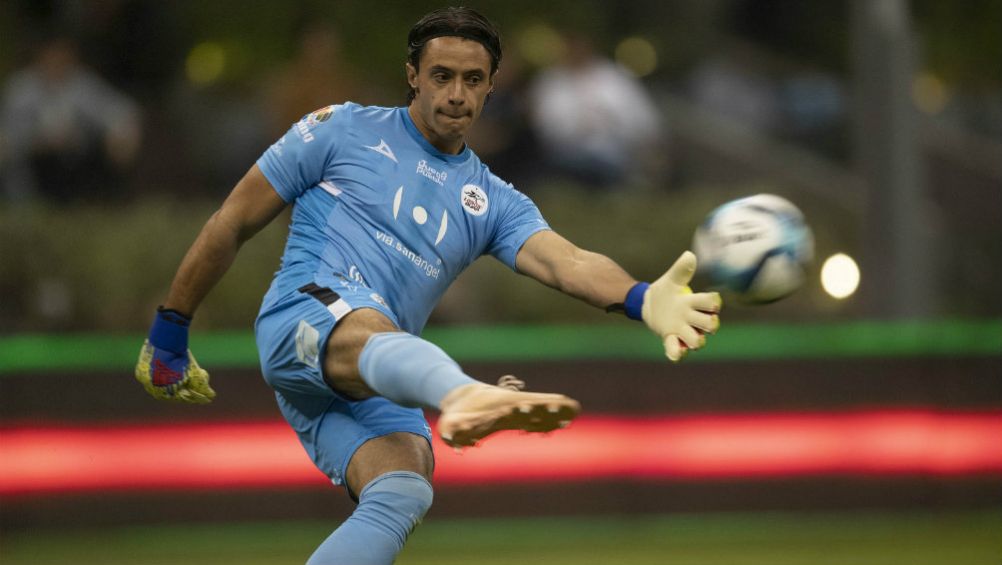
{"x": 439, "y": 77}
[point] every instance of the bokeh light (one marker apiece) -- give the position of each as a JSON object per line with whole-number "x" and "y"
{"x": 540, "y": 45}
{"x": 840, "y": 276}
{"x": 929, "y": 93}
{"x": 205, "y": 63}
{"x": 638, "y": 55}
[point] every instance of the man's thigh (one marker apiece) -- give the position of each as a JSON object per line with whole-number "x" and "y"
{"x": 344, "y": 347}
{"x": 294, "y": 335}
{"x": 293, "y": 340}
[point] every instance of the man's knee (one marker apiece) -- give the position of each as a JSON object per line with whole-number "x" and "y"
{"x": 345, "y": 345}
{"x": 407, "y": 493}
{"x": 400, "y": 451}
{"x": 390, "y": 506}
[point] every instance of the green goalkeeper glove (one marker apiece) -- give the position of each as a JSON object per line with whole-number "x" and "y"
{"x": 166, "y": 368}
{"x": 670, "y": 309}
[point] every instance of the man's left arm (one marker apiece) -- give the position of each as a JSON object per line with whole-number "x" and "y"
{"x": 556, "y": 262}
{"x": 668, "y": 307}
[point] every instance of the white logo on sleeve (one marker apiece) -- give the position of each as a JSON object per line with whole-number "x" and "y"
{"x": 474, "y": 199}
{"x": 307, "y": 344}
{"x": 383, "y": 149}
{"x": 303, "y": 130}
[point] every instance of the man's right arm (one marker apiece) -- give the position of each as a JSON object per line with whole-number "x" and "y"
{"x": 166, "y": 368}
{"x": 251, "y": 206}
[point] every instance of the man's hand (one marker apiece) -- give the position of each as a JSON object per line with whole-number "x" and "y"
{"x": 166, "y": 369}
{"x": 670, "y": 309}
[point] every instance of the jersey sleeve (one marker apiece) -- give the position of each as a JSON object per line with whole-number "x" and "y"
{"x": 517, "y": 218}
{"x": 297, "y": 161}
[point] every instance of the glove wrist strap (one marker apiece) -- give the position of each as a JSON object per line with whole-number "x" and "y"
{"x": 634, "y": 302}
{"x": 170, "y": 331}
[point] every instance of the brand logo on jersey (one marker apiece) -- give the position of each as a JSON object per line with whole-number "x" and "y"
{"x": 420, "y": 215}
{"x": 307, "y": 344}
{"x": 438, "y": 177}
{"x": 319, "y": 116}
{"x": 474, "y": 199}
{"x": 356, "y": 275}
{"x": 383, "y": 149}
{"x": 312, "y": 120}
{"x": 303, "y": 129}
{"x": 420, "y": 262}
{"x": 379, "y": 300}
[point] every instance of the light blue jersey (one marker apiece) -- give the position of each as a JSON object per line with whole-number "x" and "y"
{"x": 375, "y": 203}
{"x": 382, "y": 220}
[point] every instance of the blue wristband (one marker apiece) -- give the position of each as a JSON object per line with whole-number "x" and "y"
{"x": 634, "y": 302}
{"x": 170, "y": 331}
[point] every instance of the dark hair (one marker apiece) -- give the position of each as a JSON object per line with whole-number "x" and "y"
{"x": 453, "y": 22}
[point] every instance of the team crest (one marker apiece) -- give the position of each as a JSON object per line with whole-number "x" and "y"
{"x": 474, "y": 199}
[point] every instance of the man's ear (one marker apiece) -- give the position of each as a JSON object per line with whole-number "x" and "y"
{"x": 411, "y": 75}
{"x": 492, "y": 81}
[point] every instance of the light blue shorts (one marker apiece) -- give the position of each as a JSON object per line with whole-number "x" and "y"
{"x": 292, "y": 331}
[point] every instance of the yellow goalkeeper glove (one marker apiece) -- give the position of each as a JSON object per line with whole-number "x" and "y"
{"x": 166, "y": 368}
{"x": 670, "y": 309}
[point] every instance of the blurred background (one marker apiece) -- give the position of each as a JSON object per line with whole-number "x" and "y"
{"x": 818, "y": 429}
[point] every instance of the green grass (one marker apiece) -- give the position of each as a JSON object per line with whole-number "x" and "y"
{"x": 707, "y": 539}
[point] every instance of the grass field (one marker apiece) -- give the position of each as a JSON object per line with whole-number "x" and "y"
{"x": 973, "y": 538}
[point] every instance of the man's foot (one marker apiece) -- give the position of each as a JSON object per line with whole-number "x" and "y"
{"x": 473, "y": 412}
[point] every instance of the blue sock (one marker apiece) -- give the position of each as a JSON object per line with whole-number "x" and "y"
{"x": 409, "y": 370}
{"x": 388, "y": 509}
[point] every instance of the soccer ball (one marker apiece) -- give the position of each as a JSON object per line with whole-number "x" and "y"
{"x": 755, "y": 249}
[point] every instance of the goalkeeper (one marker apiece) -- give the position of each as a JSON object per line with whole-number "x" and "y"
{"x": 389, "y": 206}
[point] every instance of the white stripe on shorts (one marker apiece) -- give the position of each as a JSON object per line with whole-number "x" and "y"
{"x": 339, "y": 308}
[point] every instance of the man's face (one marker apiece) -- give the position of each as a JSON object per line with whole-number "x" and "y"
{"x": 451, "y": 87}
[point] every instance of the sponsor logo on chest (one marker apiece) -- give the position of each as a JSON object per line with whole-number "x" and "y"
{"x": 438, "y": 177}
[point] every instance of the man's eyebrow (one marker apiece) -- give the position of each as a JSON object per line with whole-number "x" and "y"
{"x": 441, "y": 68}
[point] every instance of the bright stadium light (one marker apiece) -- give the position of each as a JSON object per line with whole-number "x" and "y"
{"x": 840, "y": 276}
{"x": 638, "y": 55}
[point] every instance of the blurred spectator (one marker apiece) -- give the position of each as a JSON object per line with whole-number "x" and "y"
{"x": 733, "y": 84}
{"x": 772, "y": 94}
{"x": 317, "y": 76}
{"x": 69, "y": 133}
{"x": 596, "y": 122}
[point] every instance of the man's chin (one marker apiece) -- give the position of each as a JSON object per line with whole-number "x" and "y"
{"x": 454, "y": 130}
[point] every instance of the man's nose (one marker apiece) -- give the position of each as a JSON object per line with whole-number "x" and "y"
{"x": 456, "y": 93}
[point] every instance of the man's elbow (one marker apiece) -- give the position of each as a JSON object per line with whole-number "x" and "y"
{"x": 571, "y": 274}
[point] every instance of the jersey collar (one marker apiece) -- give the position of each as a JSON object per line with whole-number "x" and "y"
{"x": 421, "y": 140}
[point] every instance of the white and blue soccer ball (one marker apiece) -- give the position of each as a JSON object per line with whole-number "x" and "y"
{"x": 755, "y": 249}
